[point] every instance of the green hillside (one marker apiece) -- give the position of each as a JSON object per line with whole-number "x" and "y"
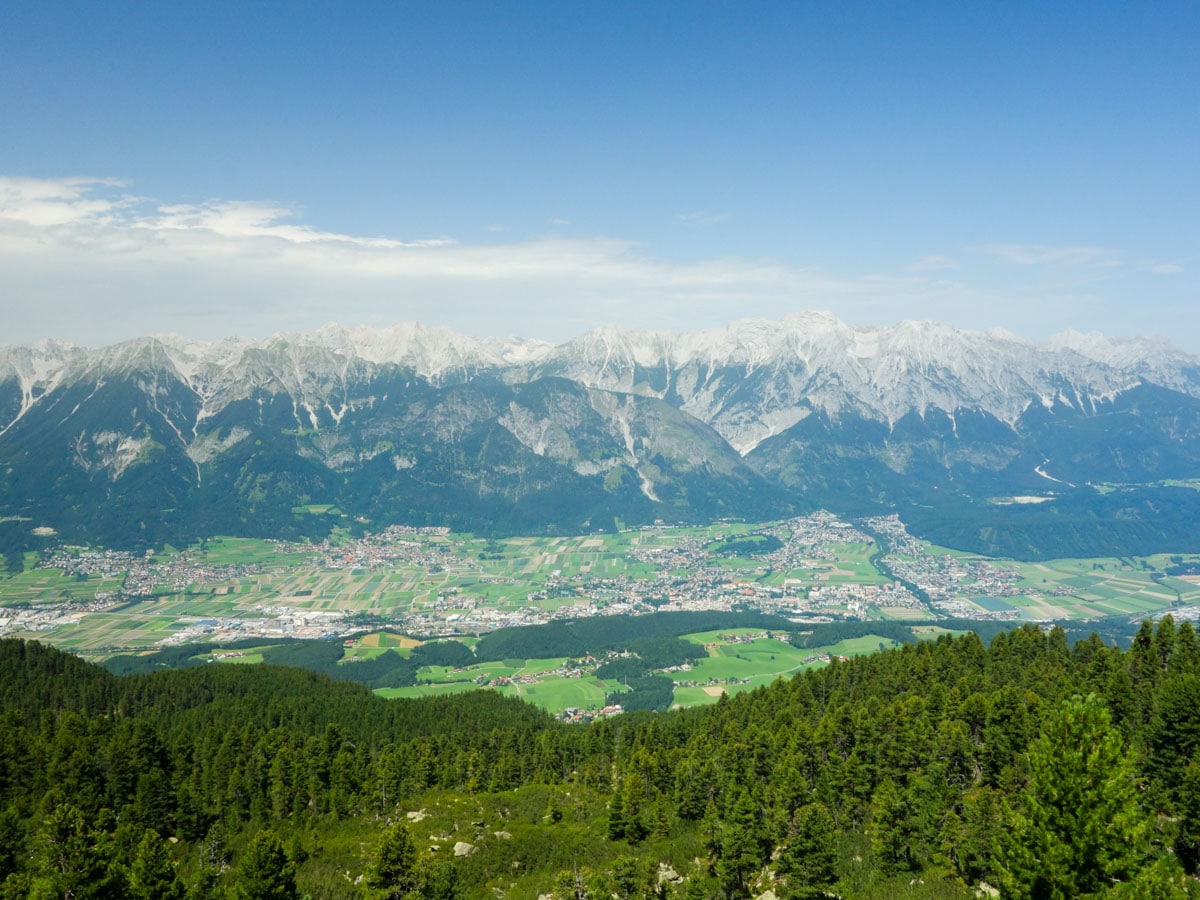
{"x": 922, "y": 771}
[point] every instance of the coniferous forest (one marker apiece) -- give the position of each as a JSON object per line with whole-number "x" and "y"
{"x": 1026, "y": 768}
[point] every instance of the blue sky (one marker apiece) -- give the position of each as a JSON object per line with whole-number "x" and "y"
{"x": 542, "y": 168}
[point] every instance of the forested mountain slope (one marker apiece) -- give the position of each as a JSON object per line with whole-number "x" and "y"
{"x": 1042, "y": 769}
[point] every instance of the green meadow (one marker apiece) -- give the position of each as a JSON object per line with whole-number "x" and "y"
{"x": 730, "y": 667}
{"x": 557, "y": 694}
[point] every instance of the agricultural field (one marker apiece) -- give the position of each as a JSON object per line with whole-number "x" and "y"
{"x": 933, "y": 632}
{"x": 428, "y": 690}
{"x": 52, "y": 586}
{"x": 369, "y": 646}
{"x": 1095, "y": 588}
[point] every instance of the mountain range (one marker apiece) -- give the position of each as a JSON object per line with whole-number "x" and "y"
{"x": 1079, "y": 445}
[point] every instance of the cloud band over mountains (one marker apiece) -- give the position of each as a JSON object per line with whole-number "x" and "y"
{"x": 71, "y": 246}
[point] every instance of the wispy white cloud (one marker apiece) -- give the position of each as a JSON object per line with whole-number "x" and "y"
{"x": 703, "y": 218}
{"x": 89, "y": 225}
{"x": 238, "y": 220}
{"x": 560, "y": 222}
{"x": 932, "y": 262}
{"x": 1047, "y": 255}
{"x": 1097, "y": 259}
{"x": 1163, "y": 268}
{"x": 45, "y": 203}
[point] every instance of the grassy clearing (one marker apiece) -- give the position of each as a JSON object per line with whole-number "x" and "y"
{"x": 317, "y": 509}
{"x": 734, "y": 668}
{"x": 237, "y": 658}
{"x": 556, "y": 694}
{"x": 869, "y": 643}
{"x": 719, "y": 637}
{"x": 362, "y": 654}
{"x": 763, "y": 658}
{"x": 932, "y": 632}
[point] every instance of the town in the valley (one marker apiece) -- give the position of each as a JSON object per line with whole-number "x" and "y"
{"x": 431, "y": 582}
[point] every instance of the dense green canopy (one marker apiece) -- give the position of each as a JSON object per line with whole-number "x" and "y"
{"x": 1042, "y": 769}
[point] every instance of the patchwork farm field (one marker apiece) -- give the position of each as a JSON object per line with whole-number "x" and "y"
{"x": 51, "y": 586}
{"x": 1098, "y": 588}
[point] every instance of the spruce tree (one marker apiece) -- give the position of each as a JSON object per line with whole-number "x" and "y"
{"x": 891, "y": 829}
{"x": 1187, "y": 650}
{"x": 634, "y": 799}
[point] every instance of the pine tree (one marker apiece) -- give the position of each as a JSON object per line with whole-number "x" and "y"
{"x": 663, "y": 818}
{"x": 572, "y": 885}
{"x": 633, "y": 802}
{"x": 438, "y": 880}
{"x": 68, "y": 862}
{"x": 710, "y": 831}
{"x": 1145, "y": 669}
{"x": 616, "y": 816}
{"x": 1078, "y": 829}
{"x": 152, "y": 875}
{"x": 631, "y": 877}
{"x": 891, "y": 829}
{"x": 395, "y": 869}
{"x": 1187, "y": 650}
{"x": 743, "y": 848}
{"x": 1164, "y": 642}
{"x": 1187, "y": 844}
{"x": 1173, "y": 735}
{"x": 809, "y": 857}
{"x": 265, "y": 872}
